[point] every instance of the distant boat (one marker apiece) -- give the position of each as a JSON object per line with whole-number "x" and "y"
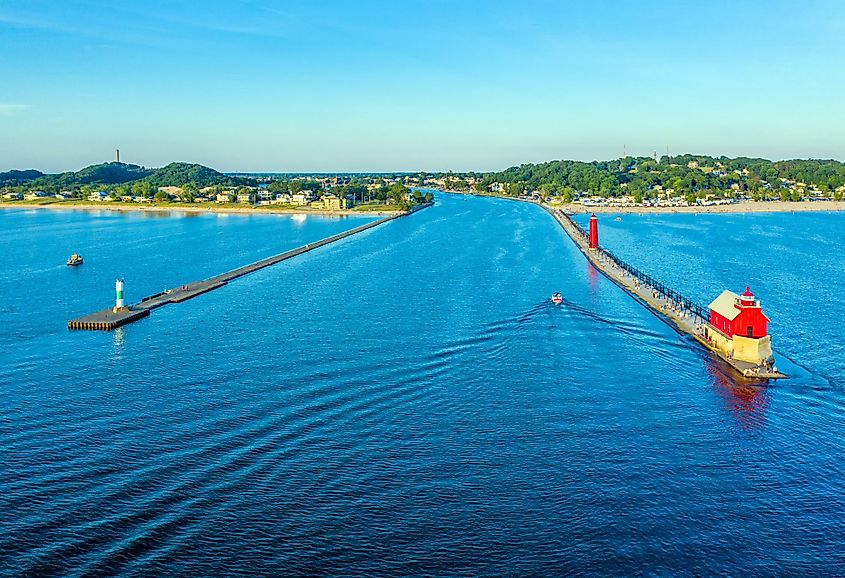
{"x": 618, "y": 219}
{"x": 75, "y": 260}
{"x": 557, "y": 298}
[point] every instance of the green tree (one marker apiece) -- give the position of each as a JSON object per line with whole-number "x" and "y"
{"x": 143, "y": 189}
{"x": 397, "y": 193}
{"x": 515, "y": 189}
{"x": 190, "y": 191}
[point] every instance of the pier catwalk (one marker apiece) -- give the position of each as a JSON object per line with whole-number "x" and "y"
{"x": 681, "y": 313}
{"x": 109, "y": 319}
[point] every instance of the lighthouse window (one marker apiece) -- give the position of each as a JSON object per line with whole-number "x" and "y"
{"x": 750, "y": 331}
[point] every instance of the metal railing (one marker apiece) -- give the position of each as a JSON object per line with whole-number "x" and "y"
{"x": 644, "y": 278}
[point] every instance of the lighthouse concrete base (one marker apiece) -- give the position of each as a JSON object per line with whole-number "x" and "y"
{"x": 754, "y": 351}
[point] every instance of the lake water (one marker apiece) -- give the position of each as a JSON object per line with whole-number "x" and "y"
{"x": 408, "y": 401}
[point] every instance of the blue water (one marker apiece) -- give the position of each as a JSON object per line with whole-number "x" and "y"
{"x": 408, "y": 402}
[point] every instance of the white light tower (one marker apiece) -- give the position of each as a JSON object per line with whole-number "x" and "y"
{"x": 118, "y": 294}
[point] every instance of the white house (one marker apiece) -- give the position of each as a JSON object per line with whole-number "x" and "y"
{"x": 300, "y": 199}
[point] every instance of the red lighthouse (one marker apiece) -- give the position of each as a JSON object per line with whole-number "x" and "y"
{"x": 594, "y": 232}
{"x": 739, "y": 328}
{"x": 739, "y": 315}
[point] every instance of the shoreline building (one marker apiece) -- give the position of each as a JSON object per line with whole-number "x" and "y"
{"x": 739, "y": 328}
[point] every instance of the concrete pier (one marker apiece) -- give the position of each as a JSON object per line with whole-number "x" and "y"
{"x": 109, "y": 319}
{"x": 681, "y": 314}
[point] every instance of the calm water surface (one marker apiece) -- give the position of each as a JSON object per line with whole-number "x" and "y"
{"x": 409, "y": 402}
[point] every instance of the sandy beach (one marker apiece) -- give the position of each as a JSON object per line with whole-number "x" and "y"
{"x": 746, "y": 207}
{"x": 209, "y": 208}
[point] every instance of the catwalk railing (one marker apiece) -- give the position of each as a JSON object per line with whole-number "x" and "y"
{"x": 644, "y": 278}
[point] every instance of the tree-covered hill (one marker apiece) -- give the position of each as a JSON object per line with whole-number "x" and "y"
{"x": 103, "y": 174}
{"x": 115, "y": 173}
{"x": 688, "y": 175}
{"x": 177, "y": 174}
{"x": 15, "y": 177}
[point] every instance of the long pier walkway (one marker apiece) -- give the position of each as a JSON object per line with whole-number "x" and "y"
{"x": 109, "y": 319}
{"x": 681, "y": 313}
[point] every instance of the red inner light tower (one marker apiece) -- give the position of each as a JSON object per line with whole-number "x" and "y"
{"x": 594, "y": 232}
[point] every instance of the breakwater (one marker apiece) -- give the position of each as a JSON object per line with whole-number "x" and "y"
{"x": 681, "y": 313}
{"x": 109, "y": 319}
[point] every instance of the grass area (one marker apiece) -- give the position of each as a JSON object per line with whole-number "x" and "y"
{"x": 378, "y": 207}
{"x": 44, "y": 201}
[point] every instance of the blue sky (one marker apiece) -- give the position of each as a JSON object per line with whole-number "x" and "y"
{"x": 416, "y": 85}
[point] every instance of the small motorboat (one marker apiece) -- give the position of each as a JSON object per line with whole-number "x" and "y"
{"x": 557, "y": 298}
{"x": 75, "y": 260}
{"x": 618, "y": 219}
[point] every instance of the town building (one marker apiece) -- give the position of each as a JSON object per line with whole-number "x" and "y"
{"x": 332, "y": 202}
{"x": 300, "y": 199}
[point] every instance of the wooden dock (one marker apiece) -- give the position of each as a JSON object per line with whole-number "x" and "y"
{"x": 680, "y": 313}
{"x": 109, "y": 319}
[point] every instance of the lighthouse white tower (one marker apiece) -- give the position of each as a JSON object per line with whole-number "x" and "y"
{"x": 118, "y": 295}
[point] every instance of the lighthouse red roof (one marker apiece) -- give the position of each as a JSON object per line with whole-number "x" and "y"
{"x": 748, "y": 292}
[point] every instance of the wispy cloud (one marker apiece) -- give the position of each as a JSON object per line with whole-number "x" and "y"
{"x": 11, "y": 109}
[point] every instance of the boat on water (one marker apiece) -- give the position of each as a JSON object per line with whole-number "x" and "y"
{"x": 618, "y": 219}
{"x": 75, "y": 260}
{"x": 557, "y": 298}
